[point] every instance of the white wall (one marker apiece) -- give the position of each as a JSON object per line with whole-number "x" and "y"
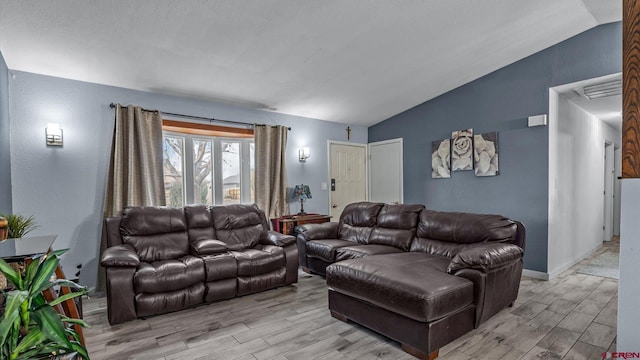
{"x": 628, "y": 285}
{"x": 576, "y": 182}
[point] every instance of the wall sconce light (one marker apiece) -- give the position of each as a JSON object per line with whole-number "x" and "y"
{"x": 537, "y": 120}
{"x": 303, "y": 154}
{"x": 54, "y": 134}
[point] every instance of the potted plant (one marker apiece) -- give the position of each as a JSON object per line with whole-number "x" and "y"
{"x": 30, "y": 327}
{"x": 19, "y": 225}
{"x": 15, "y": 226}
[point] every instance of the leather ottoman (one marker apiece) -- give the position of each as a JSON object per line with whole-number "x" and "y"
{"x": 408, "y": 297}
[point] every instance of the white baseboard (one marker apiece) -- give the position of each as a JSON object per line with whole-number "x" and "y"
{"x": 557, "y": 271}
{"x": 535, "y": 274}
{"x": 550, "y": 275}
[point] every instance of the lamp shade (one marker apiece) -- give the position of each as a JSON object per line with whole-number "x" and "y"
{"x": 301, "y": 192}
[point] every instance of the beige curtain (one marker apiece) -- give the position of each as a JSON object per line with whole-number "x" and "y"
{"x": 271, "y": 173}
{"x": 135, "y": 171}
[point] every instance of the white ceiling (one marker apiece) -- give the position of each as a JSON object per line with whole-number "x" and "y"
{"x": 351, "y": 61}
{"x": 607, "y": 109}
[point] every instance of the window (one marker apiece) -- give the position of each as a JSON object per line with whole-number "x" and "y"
{"x": 213, "y": 169}
{"x": 173, "y": 148}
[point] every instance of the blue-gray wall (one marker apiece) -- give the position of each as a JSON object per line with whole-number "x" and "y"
{"x": 5, "y": 158}
{"x": 64, "y": 186}
{"x": 501, "y": 101}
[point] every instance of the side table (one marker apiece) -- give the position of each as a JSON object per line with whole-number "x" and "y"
{"x": 287, "y": 224}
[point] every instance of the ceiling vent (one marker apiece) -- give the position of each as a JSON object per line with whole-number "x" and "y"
{"x": 606, "y": 89}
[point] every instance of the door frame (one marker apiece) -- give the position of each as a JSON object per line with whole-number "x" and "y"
{"x": 609, "y": 191}
{"x": 384, "y": 142}
{"x": 366, "y": 166}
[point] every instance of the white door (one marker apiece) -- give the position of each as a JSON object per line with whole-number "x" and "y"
{"x": 347, "y": 175}
{"x": 385, "y": 171}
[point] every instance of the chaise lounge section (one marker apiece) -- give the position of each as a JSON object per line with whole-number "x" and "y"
{"x": 456, "y": 271}
{"x": 162, "y": 259}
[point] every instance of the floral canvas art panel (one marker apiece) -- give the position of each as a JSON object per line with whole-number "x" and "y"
{"x": 485, "y": 154}
{"x": 462, "y": 150}
{"x": 441, "y": 159}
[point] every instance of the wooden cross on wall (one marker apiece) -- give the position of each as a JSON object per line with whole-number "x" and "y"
{"x": 348, "y": 129}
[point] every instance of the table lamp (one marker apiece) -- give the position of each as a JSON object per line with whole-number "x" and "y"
{"x": 301, "y": 192}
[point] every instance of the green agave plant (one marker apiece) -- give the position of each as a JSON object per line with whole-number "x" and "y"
{"x": 30, "y": 327}
{"x": 19, "y": 225}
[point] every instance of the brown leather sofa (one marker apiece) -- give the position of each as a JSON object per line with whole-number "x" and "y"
{"x": 428, "y": 277}
{"x": 162, "y": 259}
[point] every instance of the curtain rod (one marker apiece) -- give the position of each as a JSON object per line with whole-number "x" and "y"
{"x": 112, "y": 105}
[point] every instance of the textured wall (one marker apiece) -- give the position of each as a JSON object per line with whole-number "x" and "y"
{"x": 5, "y": 158}
{"x": 501, "y": 101}
{"x": 64, "y": 187}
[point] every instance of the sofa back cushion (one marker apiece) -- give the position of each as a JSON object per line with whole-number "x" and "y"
{"x": 199, "y": 222}
{"x": 442, "y": 232}
{"x": 396, "y": 225}
{"x": 156, "y": 233}
{"x": 436, "y": 247}
{"x": 239, "y": 226}
{"x": 357, "y": 221}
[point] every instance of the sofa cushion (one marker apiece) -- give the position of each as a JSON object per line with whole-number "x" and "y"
{"x": 199, "y": 222}
{"x": 156, "y": 233}
{"x": 259, "y": 261}
{"x": 355, "y": 252}
{"x": 357, "y": 221}
{"x": 239, "y": 226}
{"x": 399, "y": 238}
{"x": 465, "y": 227}
{"x": 396, "y": 226}
{"x": 149, "y": 220}
{"x": 325, "y": 249}
{"x": 437, "y": 247}
{"x": 415, "y": 285}
{"x": 168, "y": 275}
{"x": 400, "y": 216}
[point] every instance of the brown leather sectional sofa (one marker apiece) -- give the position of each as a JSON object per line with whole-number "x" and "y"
{"x": 162, "y": 259}
{"x": 418, "y": 276}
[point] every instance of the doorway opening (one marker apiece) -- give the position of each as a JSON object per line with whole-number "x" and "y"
{"x": 585, "y": 130}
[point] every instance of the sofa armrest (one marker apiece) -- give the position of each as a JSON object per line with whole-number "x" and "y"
{"x": 120, "y": 256}
{"x": 208, "y": 247}
{"x": 275, "y": 238}
{"x": 485, "y": 257}
{"x": 328, "y": 230}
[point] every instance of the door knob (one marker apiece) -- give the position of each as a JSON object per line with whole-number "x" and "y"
{"x": 334, "y": 206}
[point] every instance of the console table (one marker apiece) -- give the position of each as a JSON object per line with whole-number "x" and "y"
{"x": 287, "y": 224}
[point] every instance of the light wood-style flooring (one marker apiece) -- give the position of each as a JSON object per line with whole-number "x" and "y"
{"x": 572, "y": 316}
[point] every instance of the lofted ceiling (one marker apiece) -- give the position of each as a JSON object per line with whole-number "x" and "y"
{"x": 351, "y": 61}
